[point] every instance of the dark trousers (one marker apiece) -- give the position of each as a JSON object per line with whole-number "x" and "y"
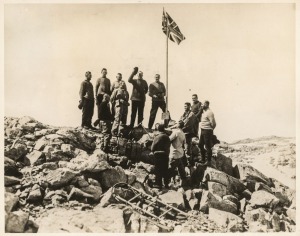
{"x": 188, "y": 143}
{"x": 177, "y": 163}
{"x": 206, "y": 139}
{"x": 161, "y": 163}
{"x": 99, "y": 101}
{"x": 154, "y": 108}
{"x": 87, "y": 112}
{"x": 137, "y": 106}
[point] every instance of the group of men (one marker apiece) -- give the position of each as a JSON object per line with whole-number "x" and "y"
{"x": 117, "y": 94}
{"x": 182, "y": 147}
{"x": 168, "y": 151}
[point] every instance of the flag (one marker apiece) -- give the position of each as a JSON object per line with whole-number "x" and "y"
{"x": 170, "y": 26}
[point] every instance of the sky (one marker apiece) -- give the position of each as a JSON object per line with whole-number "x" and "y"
{"x": 240, "y": 57}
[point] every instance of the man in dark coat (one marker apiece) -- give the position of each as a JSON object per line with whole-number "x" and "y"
{"x": 138, "y": 96}
{"x": 86, "y": 95}
{"x": 161, "y": 150}
{"x": 197, "y": 110}
{"x": 157, "y": 91}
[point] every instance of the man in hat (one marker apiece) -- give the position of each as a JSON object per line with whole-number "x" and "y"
{"x": 86, "y": 95}
{"x": 161, "y": 150}
{"x": 207, "y": 125}
{"x": 138, "y": 96}
{"x": 157, "y": 91}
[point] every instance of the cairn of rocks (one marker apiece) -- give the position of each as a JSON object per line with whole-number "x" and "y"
{"x": 61, "y": 179}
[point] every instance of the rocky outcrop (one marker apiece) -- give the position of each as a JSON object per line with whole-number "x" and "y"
{"x": 61, "y": 179}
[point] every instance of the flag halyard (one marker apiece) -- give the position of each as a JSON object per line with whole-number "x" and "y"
{"x": 169, "y": 26}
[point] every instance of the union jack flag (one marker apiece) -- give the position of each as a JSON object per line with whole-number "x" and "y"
{"x": 169, "y": 26}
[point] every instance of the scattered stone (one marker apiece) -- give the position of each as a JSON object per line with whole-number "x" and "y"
{"x": 172, "y": 197}
{"x": 35, "y": 194}
{"x": 10, "y": 168}
{"x": 60, "y": 177}
{"x": 222, "y": 163}
{"x": 16, "y": 222}
{"x": 16, "y": 152}
{"x": 11, "y": 201}
{"x": 232, "y": 199}
{"x": 40, "y": 144}
{"x": 36, "y": 158}
{"x": 262, "y": 186}
{"x": 11, "y": 181}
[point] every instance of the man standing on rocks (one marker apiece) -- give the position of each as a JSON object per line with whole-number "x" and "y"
{"x": 189, "y": 128}
{"x": 138, "y": 96}
{"x": 176, "y": 152}
{"x": 207, "y": 126}
{"x": 86, "y": 94}
{"x": 197, "y": 110}
{"x": 120, "y": 98}
{"x": 102, "y": 87}
{"x": 115, "y": 85}
{"x": 157, "y": 91}
{"x": 161, "y": 150}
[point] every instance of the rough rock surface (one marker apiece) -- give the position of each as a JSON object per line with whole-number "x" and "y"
{"x": 60, "y": 180}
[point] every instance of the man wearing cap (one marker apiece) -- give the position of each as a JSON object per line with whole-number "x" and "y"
{"x": 86, "y": 95}
{"x": 157, "y": 91}
{"x": 138, "y": 96}
{"x": 102, "y": 87}
{"x": 207, "y": 125}
{"x": 161, "y": 150}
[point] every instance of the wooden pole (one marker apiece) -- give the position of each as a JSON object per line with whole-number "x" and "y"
{"x": 167, "y": 94}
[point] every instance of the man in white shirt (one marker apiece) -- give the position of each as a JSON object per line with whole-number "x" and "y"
{"x": 207, "y": 125}
{"x": 176, "y": 151}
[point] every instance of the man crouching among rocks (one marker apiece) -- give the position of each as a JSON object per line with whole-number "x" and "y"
{"x": 161, "y": 150}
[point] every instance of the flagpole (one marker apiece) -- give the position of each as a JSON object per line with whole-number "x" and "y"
{"x": 167, "y": 68}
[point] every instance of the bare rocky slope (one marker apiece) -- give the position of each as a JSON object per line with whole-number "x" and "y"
{"x": 60, "y": 180}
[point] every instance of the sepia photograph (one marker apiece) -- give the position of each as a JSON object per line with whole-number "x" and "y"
{"x": 149, "y": 117}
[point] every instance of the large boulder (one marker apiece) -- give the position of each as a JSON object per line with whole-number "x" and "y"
{"x": 247, "y": 173}
{"x": 10, "y": 168}
{"x": 262, "y": 198}
{"x": 233, "y": 185}
{"x": 11, "y": 201}
{"x": 172, "y": 197}
{"x": 100, "y": 220}
{"x": 222, "y": 163}
{"x": 110, "y": 177}
{"x": 17, "y": 151}
{"x": 41, "y": 144}
{"x": 11, "y": 181}
{"x": 209, "y": 200}
{"x": 95, "y": 163}
{"x": 35, "y": 194}
{"x": 60, "y": 177}
{"x": 16, "y": 222}
{"x": 232, "y": 222}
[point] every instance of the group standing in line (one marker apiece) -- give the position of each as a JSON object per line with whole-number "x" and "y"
{"x": 168, "y": 151}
